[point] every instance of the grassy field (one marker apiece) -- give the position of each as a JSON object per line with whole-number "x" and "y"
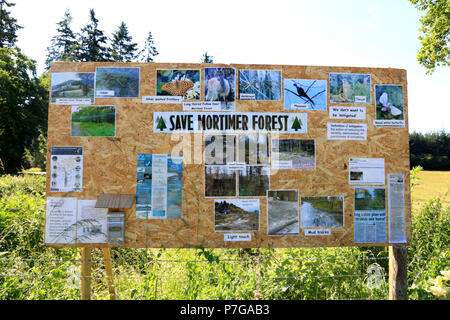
{"x": 431, "y": 184}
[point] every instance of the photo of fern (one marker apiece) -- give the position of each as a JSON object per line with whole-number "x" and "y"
{"x": 72, "y": 85}
{"x": 95, "y": 121}
{"x": 122, "y": 82}
{"x": 260, "y": 84}
{"x": 350, "y": 88}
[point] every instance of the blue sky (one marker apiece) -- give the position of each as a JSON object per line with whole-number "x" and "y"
{"x": 360, "y": 33}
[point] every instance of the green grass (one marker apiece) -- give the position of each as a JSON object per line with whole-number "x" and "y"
{"x": 102, "y": 129}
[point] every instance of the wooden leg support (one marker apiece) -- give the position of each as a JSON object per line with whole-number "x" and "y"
{"x": 109, "y": 273}
{"x": 86, "y": 273}
{"x": 398, "y": 286}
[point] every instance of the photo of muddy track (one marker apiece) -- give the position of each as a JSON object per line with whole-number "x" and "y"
{"x": 282, "y": 212}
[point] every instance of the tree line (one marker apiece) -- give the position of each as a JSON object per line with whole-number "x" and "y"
{"x": 431, "y": 150}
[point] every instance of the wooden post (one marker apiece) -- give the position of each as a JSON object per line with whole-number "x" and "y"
{"x": 398, "y": 285}
{"x": 109, "y": 274}
{"x": 86, "y": 273}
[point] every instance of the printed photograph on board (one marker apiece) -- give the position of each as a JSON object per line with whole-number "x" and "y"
{"x": 220, "y": 149}
{"x": 254, "y": 181}
{"x": 236, "y": 215}
{"x": 220, "y": 181}
{"x": 350, "y": 88}
{"x": 254, "y": 149}
{"x": 117, "y": 82}
{"x": 389, "y": 102}
{"x": 282, "y": 212}
{"x": 327, "y": 211}
{"x": 220, "y": 85}
{"x": 72, "y": 87}
{"x": 183, "y": 83}
{"x": 259, "y": 84}
{"x": 95, "y": 121}
{"x": 293, "y": 154}
{"x": 305, "y": 94}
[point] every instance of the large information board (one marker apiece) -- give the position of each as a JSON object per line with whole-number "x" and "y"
{"x": 227, "y": 155}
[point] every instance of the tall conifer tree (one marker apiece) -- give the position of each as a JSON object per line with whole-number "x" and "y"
{"x": 8, "y": 25}
{"x": 123, "y": 49}
{"x": 64, "y": 46}
{"x": 93, "y": 42}
{"x": 149, "y": 50}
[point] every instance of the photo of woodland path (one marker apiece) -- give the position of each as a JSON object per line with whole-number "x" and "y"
{"x": 263, "y": 84}
{"x": 96, "y": 121}
{"x": 322, "y": 211}
{"x": 220, "y": 181}
{"x": 345, "y": 87}
{"x": 254, "y": 181}
{"x": 236, "y": 215}
{"x": 282, "y": 212}
{"x": 302, "y": 153}
{"x": 124, "y": 81}
{"x": 72, "y": 85}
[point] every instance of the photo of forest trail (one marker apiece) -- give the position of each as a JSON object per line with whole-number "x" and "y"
{"x": 96, "y": 121}
{"x": 301, "y": 152}
{"x": 322, "y": 211}
{"x": 220, "y": 181}
{"x": 234, "y": 215}
{"x": 254, "y": 181}
{"x": 282, "y": 212}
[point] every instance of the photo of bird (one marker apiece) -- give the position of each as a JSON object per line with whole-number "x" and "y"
{"x": 301, "y": 92}
{"x": 347, "y": 89}
{"x": 305, "y": 94}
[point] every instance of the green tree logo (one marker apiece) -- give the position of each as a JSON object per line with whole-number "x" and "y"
{"x": 161, "y": 124}
{"x": 297, "y": 124}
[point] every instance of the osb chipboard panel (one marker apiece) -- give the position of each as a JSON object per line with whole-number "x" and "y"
{"x": 110, "y": 163}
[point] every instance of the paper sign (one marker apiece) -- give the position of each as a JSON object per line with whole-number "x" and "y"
{"x": 317, "y": 232}
{"x": 237, "y": 237}
{"x": 235, "y": 122}
{"x": 347, "y": 131}
{"x": 162, "y": 99}
{"x": 202, "y": 106}
{"x": 366, "y": 171}
{"x": 60, "y": 220}
{"x": 349, "y": 113}
{"x": 396, "y": 202}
